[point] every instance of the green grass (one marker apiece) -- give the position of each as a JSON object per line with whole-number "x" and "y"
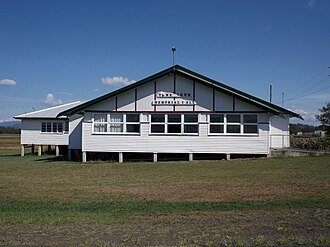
{"x": 36, "y": 192}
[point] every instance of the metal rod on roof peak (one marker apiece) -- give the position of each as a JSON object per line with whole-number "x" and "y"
{"x": 173, "y": 50}
{"x": 270, "y": 92}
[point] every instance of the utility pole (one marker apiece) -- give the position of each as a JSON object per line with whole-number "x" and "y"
{"x": 283, "y": 99}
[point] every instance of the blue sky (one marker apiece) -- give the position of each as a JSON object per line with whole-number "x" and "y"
{"x": 61, "y": 51}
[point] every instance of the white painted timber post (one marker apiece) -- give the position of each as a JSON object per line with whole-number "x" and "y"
{"x": 57, "y": 150}
{"x": 22, "y": 150}
{"x": 227, "y": 156}
{"x": 84, "y": 157}
{"x": 155, "y": 157}
{"x": 39, "y": 150}
{"x": 121, "y": 157}
{"x": 191, "y": 156}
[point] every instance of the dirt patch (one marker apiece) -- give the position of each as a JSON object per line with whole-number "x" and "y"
{"x": 235, "y": 228}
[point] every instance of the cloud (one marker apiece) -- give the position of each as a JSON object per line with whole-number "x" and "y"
{"x": 51, "y": 100}
{"x": 7, "y": 82}
{"x": 311, "y": 3}
{"x": 309, "y": 117}
{"x": 116, "y": 80}
{"x": 96, "y": 90}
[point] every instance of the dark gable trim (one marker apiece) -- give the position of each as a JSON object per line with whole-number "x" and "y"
{"x": 179, "y": 70}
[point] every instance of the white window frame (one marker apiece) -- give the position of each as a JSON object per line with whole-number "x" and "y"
{"x": 166, "y": 124}
{"x": 52, "y": 126}
{"x": 108, "y": 124}
{"x": 226, "y": 123}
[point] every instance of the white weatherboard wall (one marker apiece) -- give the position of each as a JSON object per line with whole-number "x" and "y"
{"x": 207, "y": 100}
{"x": 31, "y": 133}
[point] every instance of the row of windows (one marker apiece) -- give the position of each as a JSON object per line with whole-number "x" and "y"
{"x": 55, "y": 127}
{"x": 175, "y": 123}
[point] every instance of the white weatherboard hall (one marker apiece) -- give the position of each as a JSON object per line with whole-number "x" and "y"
{"x": 179, "y": 111}
{"x": 44, "y": 128}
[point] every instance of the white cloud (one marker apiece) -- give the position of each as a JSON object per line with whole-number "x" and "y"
{"x": 116, "y": 80}
{"x": 51, "y": 100}
{"x": 309, "y": 117}
{"x": 7, "y": 82}
{"x": 311, "y": 3}
{"x": 96, "y": 90}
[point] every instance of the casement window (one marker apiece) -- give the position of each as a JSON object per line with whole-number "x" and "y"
{"x": 250, "y": 124}
{"x": 235, "y": 124}
{"x": 116, "y": 123}
{"x": 217, "y": 123}
{"x": 54, "y": 127}
{"x": 174, "y": 124}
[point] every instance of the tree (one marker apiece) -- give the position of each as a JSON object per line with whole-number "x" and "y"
{"x": 324, "y": 116}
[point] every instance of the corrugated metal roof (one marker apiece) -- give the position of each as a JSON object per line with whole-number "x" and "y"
{"x": 50, "y": 112}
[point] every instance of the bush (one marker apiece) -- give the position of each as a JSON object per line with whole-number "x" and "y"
{"x": 311, "y": 143}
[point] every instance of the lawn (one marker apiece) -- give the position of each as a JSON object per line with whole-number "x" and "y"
{"x": 253, "y": 202}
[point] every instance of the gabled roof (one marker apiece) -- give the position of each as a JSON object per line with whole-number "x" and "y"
{"x": 51, "y": 112}
{"x": 179, "y": 70}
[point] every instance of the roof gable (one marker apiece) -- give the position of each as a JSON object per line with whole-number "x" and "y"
{"x": 179, "y": 70}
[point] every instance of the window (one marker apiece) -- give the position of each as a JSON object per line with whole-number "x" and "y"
{"x": 216, "y": 123}
{"x": 233, "y": 124}
{"x": 175, "y": 123}
{"x": 133, "y": 123}
{"x": 250, "y": 124}
{"x": 52, "y": 127}
{"x": 116, "y": 123}
{"x": 66, "y": 127}
{"x": 100, "y": 122}
{"x": 190, "y": 123}
{"x": 157, "y": 123}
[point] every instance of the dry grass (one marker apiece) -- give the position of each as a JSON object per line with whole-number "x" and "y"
{"x": 9, "y": 142}
{"x": 270, "y": 202}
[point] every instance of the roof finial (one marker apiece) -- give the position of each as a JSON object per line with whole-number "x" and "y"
{"x": 173, "y": 50}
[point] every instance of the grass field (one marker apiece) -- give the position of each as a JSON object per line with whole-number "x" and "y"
{"x": 45, "y": 201}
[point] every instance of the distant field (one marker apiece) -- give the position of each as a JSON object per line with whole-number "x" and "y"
{"x": 256, "y": 202}
{"x": 9, "y": 141}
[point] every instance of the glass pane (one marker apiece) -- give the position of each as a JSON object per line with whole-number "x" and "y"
{"x": 54, "y": 127}
{"x": 43, "y": 127}
{"x": 216, "y": 118}
{"x": 174, "y": 128}
{"x": 191, "y": 118}
{"x": 60, "y": 127}
{"x": 133, "y": 128}
{"x": 250, "y": 118}
{"x": 157, "y": 118}
{"x": 116, "y": 128}
{"x": 100, "y": 117}
{"x": 250, "y": 129}
{"x": 233, "y": 118}
{"x": 174, "y": 118}
{"x": 157, "y": 128}
{"x": 191, "y": 128}
{"x": 135, "y": 118}
{"x": 216, "y": 128}
{"x": 233, "y": 129}
{"x": 66, "y": 127}
{"x": 116, "y": 118}
{"x": 49, "y": 127}
{"x": 100, "y": 127}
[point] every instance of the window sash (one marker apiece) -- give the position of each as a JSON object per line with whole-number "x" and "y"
{"x": 116, "y": 123}
{"x": 237, "y": 124}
